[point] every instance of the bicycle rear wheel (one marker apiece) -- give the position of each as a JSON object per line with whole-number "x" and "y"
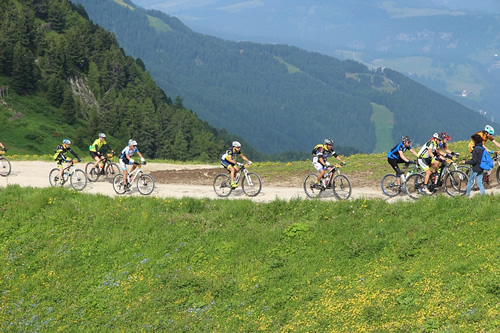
{"x": 118, "y": 185}
{"x": 222, "y": 185}
{"x": 312, "y": 189}
{"x": 112, "y": 169}
{"x": 4, "y": 167}
{"x": 145, "y": 184}
{"x": 91, "y": 172}
{"x": 251, "y": 184}
{"x": 54, "y": 177}
{"x": 498, "y": 175}
{"x": 78, "y": 180}
{"x": 414, "y": 185}
{"x": 455, "y": 183}
{"x": 342, "y": 188}
{"x": 390, "y": 185}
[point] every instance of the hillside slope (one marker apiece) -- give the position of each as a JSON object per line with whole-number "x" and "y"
{"x": 69, "y": 78}
{"x": 275, "y": 96}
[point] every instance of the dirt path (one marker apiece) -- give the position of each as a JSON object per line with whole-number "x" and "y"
{"x": 178, "y": 181}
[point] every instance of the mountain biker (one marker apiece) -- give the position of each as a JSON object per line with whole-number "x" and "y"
{"x": 476, "y": 172}
{"x": 486, "y": 134}
{"x": 60, "y": 156}
{"x": 321, "y": 152}
{"x": 429, "y": 158}
{"x": 126, "y": 158}
{"x": 396, "y": 156}
{"x": 95, "y": 150}
{"x": 228, "y": 160}
{"x": 443, "y": 147}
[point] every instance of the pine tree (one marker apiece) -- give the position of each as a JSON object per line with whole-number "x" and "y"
{"x": 23, "y": 80}
{"x": 68, "y": 107}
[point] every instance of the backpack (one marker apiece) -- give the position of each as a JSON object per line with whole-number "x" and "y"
{"x": 486, "y": 160}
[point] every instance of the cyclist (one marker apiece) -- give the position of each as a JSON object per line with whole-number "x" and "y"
{"x": 443, "y": 147}
{"x": 321, "y": 152}
{"x": 60, "y": 156}
{"x": 126, "y": 158}
{"x": 95, "y": 150}
{"x": 429, "y": 158}
{"x": 396, "y": 156}
{"x": 228, "y": 160}
{"x": 477, "y": 172}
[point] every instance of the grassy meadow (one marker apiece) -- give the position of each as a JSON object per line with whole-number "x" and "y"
{"x": 78, "y": 262}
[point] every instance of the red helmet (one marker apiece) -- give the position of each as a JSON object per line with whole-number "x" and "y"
{"x": 445, "y": 135}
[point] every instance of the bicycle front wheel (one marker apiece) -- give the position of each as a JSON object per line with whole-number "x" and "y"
{"x": 91, "y": 172}
{"x": 4, "y": 167}
{"x": 414, "y": 185}
{"x": 118, "y": 184}
{"x": 342, "y": 188}
{"x": 145, "y": 184}
{"x": 390, "y": 185}
{"x": 112, "y": 169}
{"x": 251, "y": 184}
{"x": 312, "y": 189}
{"x": 455, "y": 183}
{"x": 54, "y": 177}
{"x": 222, "y": 185}
{"x": 78, "y": 180}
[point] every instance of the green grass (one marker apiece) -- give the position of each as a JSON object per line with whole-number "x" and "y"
{"x": 73, "y": 261}
{"x": 384, "y": 122}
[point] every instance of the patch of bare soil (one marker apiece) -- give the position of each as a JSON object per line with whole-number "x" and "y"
{"x": 292, "y": 179}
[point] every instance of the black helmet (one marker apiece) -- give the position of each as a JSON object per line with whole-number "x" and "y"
{"x": 328, "y": 142}
{"x": 406, "y": 139}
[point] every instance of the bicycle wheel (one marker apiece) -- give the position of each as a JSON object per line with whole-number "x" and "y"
{"x": 78, "y": 180}
{"x": 145, "y": 184}
{"x": 222, "y": 185}
{"x": 312, "y": 189}
{"x": 91, "y": 173}
{"x": 414, "y": 185}
{"x": 455, "y": 183}
{"x": 498, "y": 175}
{"x": 54, "y": 177}
{"x": 112, "y": 169}
{"x": 390, "y": 185}
{"x": 4, "y": 167}
{"x": 251, "y": 184}
{"x": 342, "y": 188}
{"x": 118, "y": 185}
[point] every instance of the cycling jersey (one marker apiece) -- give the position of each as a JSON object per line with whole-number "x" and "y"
{"x": 60, "y": 152}
{"x": 97, "y": 145}
{"x": 394, "y": 153}
{"x": 430, "y": 145}
{"x": 128, "y": 151}
{"x": 232, "y": 153}
{"x": 323, "y": 151}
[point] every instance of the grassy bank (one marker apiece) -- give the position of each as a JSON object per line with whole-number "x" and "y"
{"x": 73, "y": 261}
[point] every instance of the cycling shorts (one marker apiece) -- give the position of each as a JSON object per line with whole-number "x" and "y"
{"x": 123, "y": 164}
{"x": 225, "y": 163}
{"x": 318, "y": 166}
{"x": 394, "y": 164}
{"x": 95, "y": 154}
{"x": 425, "y": 163}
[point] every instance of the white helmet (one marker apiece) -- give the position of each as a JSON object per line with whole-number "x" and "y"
{"x": 236, "y": 144}
{"x": 489, "y": 129}
{"x": 102, "y": 135}
{"x": 132, "y": 142}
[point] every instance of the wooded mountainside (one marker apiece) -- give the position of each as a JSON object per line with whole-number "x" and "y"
{"x": 50, "y": 51}
{"x": 275, "y": 96}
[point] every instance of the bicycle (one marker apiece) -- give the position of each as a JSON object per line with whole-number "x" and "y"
{"x": 340, "y": 184}
{"x": 4, "y": 164}
{"x": 454, "y": 181}
{"x": 145, "y": 183}
{"x": 389, "y": 183}
{"x": 77, "y": 177}
{"x": 251, "y": 184}
{"x": 108, "y": 168}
